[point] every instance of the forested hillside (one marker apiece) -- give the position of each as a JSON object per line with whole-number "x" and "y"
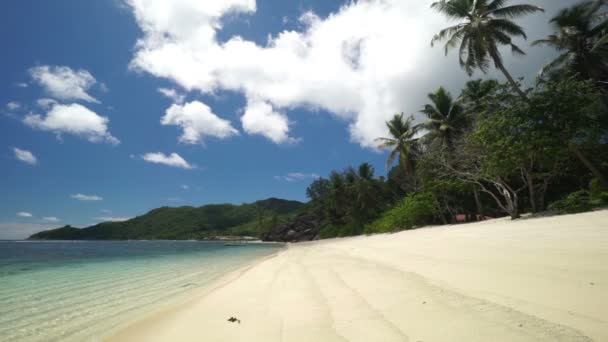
{"x": 249, "y": 219}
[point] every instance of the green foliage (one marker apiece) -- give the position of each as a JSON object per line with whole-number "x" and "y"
{"x": 484, "y": 26}
{"x": 579, "y": 37}
{"x": 186, "y": 222}
{"x": 402, "y": 142}
{"x": 597, "y": 196}
{"x": 348, "y": 198}
{"x": 414, "y": 211}
{"x": 600, "y": 199}
{"x": 446, "y": 119}
{"x": 576, "y": 202}
{"x": 333, "y": 231}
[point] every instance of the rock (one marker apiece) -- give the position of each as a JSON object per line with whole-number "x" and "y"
{"x": 303, "y": 227}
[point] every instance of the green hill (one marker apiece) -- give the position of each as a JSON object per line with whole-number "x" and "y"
{"x": 251, "y": 219}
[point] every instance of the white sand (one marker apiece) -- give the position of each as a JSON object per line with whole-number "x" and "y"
{"x": 530, "y": 280}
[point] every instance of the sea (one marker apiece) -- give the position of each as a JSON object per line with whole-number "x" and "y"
{"x": 86, "y": 290}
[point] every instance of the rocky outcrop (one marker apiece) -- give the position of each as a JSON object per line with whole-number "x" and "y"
{"x": 301, "y": 228}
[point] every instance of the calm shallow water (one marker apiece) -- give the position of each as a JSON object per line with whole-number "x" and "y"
{"x": 74, "y": 291}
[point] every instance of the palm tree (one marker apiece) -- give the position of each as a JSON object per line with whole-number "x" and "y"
{"x": 580, "y": 36}
{"x": 485, "y": 26}
{"x": 473, "y": 95}
{"x": 446, "y": 119}
{"x": 367, "y": 192}
{"x": 402, "y": 142}
{"x": 475, "y": 91}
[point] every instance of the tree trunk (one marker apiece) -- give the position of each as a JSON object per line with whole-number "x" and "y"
{"x": 596, "y": 173}
{"x": 440, "y": 214}
{"x": 504, "y": 70}
{"x": 480, "y": 215}
{"x": 541, "y": 196}
{"x": 528, "y": 177}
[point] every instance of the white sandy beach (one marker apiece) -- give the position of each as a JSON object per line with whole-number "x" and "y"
{"x": 542, "y": 279}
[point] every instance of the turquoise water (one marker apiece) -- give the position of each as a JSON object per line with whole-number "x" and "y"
{"x": 75, "y": 291}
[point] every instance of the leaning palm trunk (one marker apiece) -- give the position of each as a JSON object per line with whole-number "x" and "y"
{"x": 596, "y": 173}
{"x": 513, "y": 83}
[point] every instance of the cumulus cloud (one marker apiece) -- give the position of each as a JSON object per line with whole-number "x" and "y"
{"x": 24, "y": 214}
{"x": 25, "y": 156}
{"x": 51, "y": 219}
{"x": 173, "y": 160}
{"x": 260, "y": 118}
{"x": 13, "y": 105}
{"x": 73, "y": 119}
{"x": 63, "y": 83}
{"x": 296, "y": 176}
{"x": 172, "y": 94}
{"x": 350, "y": 63}
{"x": 197, "y": 121}
{"x": 111, "y": 219}
{"x": 363, "y": 63}
{"x": 87, "y": 198}
{"x": 46, "y": 103}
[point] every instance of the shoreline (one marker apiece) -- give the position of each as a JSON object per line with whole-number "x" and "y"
{"x": 501, "y": 280}
{"x": 161, "y": 312}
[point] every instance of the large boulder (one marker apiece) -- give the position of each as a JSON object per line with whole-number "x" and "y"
{"x": 301, "y": 228}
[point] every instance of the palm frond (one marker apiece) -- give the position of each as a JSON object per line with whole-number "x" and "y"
{"x": 454, "y": 9}
{"x": 507, "y": 26}
{"x": 453, "y": 41}
{"x": 514, "y": 11}
{"x": 447, "y": 32}
{"x": 496, "y": 4}
{"x": 554, "y": 64}
{"x": 600, "y": 43}
{"x": 552, "y": 41}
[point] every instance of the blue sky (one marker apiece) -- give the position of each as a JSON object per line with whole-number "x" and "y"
{"x": 266, "y": 95}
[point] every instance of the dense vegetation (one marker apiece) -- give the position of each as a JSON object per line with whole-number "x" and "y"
{"x": 496, "y": 149}
{"x": 186, "y": 223}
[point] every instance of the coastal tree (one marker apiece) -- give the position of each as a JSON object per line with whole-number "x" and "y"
{"x": 473, "y": 95}
{"x": 580, "y": 36}
{"x": 403, "y": 144}
{"x": 445, "y": 117}
{"x": 485, "y": 25}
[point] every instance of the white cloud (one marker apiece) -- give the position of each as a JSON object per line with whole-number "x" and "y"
{"x": 51, "y": 219}
{"x": 111, "y": 219}
{"x": 73, "y": 119}
{"x": 296, "y": 176}
{"x": 25, "y": 156}
{"x": 21, "y": 85}
{"x": 197, "y": 122}
{"x": 83, "y": 197}
{"x": 185, "y": 187}
{"x": 24, "y": 214}
{"x": 357, "y": 63}
{"x": 13, "y": 105}
{"x": 259, "y": 118}
{"x": 172, "y": 94}
{"x": 46, "y": 103}
{"x": 103, "y": 87}
{"x": 63, "y": 83}
{"x": 173, "y": 160}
